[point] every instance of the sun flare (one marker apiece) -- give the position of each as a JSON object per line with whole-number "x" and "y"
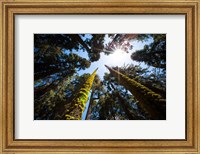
{"x": 119, "y": 51}
{"x": 117, "y": 58}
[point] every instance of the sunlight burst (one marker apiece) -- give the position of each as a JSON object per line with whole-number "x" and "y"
{"x": 118, "y": 54}
{"x": 117, "y": 58}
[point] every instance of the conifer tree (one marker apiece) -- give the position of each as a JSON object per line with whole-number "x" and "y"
{"x": 153, "y": 54}
{"x": 74, "y": 112}
{"x": 149, "y": 101}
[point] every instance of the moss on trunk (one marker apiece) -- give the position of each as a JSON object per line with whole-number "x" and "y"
{"x": 74, "y": 112}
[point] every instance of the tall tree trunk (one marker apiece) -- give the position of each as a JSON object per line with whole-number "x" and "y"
{"x": 74, "y": 112}
{"x": 41, "y": 90}
{"x": 155, "y": 89}
{"x": 106, "y": 112}
{"x": 131, "y": 115}
{"x": 78, "y": 39}
{"x": 113, "y": 42}
{"x": 149, "y": 101}
{"x": 125, "y": 105}
{"x": 89, "y": 111}
{"x": 44, "y": 74}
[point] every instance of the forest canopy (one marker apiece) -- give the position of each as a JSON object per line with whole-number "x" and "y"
{"x": 99, "y": 76}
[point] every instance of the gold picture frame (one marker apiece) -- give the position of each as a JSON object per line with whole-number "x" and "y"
{"x": 9, "y": 8}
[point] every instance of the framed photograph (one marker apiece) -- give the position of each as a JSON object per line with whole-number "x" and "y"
{"x": 99, "y": 76}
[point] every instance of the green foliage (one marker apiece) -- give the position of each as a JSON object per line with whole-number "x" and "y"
{"x": 153, "y": 54}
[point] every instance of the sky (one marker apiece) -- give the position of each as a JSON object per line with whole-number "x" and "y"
{"x": 118, "y": 58}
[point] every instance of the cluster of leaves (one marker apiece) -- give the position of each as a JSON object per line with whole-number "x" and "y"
{"x": 153, "y": 54}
